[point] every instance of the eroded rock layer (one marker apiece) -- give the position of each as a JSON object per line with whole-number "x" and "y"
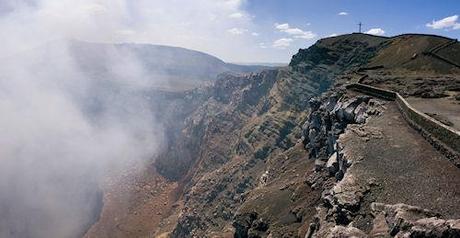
{"x": 292, "y": 153}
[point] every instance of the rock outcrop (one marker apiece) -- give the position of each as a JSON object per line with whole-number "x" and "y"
{"x": 327, "y": 121}
{"x": 343, "y": 200}
{"x": 401, "y": 221}
{"x": 266, "y": 155}
{"x": 251, "y": 121}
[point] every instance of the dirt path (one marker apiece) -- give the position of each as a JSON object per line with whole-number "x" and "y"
{"x": 406, "y": 168}
{"x": 136, "y": 203}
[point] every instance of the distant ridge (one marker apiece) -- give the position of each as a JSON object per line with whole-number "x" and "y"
{"x": 162, "y": 67}
{"x": 168, "y": 62}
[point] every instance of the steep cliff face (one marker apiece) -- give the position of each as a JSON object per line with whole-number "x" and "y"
{"x": 232, "y": 145}
{"x": 292, "y": 153}
{"x": 275, "y": 91}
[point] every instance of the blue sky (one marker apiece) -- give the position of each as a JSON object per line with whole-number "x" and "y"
{"x": 233, "y": 30}
{"x": 322, "y": 18}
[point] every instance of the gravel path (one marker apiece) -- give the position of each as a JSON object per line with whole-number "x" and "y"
{"x": 407, "y": 168}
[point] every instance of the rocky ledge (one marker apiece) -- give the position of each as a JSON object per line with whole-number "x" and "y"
{"x": 342, "y": 198}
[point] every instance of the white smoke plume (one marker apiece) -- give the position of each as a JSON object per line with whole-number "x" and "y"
{"x": 61, "y": 125}
{"x": 60, "y": 130}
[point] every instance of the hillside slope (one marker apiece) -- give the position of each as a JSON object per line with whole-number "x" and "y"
{"x": 74, "y": 98}
{"x": 251, "y": 160}
{"x": 166, "y": 67}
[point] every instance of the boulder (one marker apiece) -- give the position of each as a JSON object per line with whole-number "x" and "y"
{"x": 454, "y": 224}
{"x": 429, "y": 227}
{"x": 380, "y": 227}
{"x": 242, "y": 224}
{"x": 264, "y": 178}
{"x": 312, "y": 135}
{"x": 349, "y": 232}
{"x": 329, "y": 103}
{"x": 315, "y": 120}
{"x": 332, "y": 164}
{"x": 331, "y": 143}
{"x": 260, "y": 225}
{"x": 338, "y": 111}
{"x": 435, "y": 227}
{"x": 186, "y": 225}
{"x": 345, "y": 111}
{"x": 349, "y": 114}
{"x": 409, "y": 221}
{"x": 319, "y": 164}
{"x": 348, "y": 193}
{"x": 314, "y": 103}
{"x": 305, "y": 129}
{"x": 360, "y": 113}
{"x": 339, "y": 175}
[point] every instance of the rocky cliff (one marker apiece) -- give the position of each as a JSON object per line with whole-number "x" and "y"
{"x": 292, "y": 153}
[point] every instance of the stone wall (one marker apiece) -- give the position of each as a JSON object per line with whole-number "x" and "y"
{"x": 374, "y": 91}
{"x": 442, "y": 137}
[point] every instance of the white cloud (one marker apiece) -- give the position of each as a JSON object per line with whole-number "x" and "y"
{"x": 376, "y": 31}
{"x": 282, "y": 43}
{"x": 237, "y": 31}
{"x": 333, "y": 35}
{"x": 445, "y": 23}
{"x": 262, "y": 45}
{"x": 236, "y": 15}
{"x": 196, "y": 26}
{"x": 307, "y": 35}
{"x": 255, "y": 34}
{"x": 295, "y": 32}
{"x": 343, "y": 14}
{"x": 282, "y": 27}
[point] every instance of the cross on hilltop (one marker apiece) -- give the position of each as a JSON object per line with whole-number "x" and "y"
{"x": 360, "y": 26}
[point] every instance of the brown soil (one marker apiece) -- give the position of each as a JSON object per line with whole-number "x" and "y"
{"x": 135, "y": 203}
{"x": 286, "y": 201}
{"x": 406, "y": 167}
